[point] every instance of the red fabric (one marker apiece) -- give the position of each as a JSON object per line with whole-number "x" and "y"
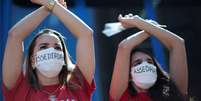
{"x": 142, "y": 96}
{"x": 23, "y": 92}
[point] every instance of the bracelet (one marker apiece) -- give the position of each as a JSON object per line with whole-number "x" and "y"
{"x": 51, "y": 4}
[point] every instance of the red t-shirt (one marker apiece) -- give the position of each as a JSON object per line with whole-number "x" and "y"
{"x": 142, "y": 96}
{"x": 22, "y": 91}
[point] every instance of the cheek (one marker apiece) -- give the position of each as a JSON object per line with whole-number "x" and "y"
{"x": 33, "y": 59}
{"x": 33, "y": 62}
{"x": 34, "y": 54}
{"x": 130, "y": 72}
{"x": 35, "y": 50}
{"x": 132, "y": 63}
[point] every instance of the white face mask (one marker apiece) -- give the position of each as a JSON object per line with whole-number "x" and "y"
{"x": 49, "y": 62}
{"x": 144, "y": 75}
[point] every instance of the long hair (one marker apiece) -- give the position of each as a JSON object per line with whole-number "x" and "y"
{"x": 164, "y": 89}
{"x": 66, "y": 69}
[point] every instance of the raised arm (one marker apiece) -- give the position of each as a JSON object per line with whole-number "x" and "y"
{"x": 120, "y": 75}
{"x": 83, "y": 33}
{"x": 85, "y": 44}
{"x": 176, "y": 47}
{"x": 12, "y": 63}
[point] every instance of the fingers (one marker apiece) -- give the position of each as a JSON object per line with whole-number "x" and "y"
{"x": 120, "y": 17}
{"x": 62, "y": 2}
{"x": 40, "y": 2}
{"x": 128, "y": 16}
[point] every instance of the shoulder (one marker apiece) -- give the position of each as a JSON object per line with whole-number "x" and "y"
{"x": 77, "y": 80}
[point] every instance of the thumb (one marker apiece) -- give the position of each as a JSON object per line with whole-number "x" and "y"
{"x": 120, "y": 17}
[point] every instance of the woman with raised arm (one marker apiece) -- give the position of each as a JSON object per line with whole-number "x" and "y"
{"x": 50, "y": 75}
{"x": 137, "y": 76}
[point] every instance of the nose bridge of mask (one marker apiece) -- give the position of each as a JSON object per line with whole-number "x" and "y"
{"x": 48, "y": 54}
{"x": 144, "y": 67}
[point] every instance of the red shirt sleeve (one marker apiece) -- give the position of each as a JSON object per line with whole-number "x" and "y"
{"x": 79, "y": 79}
{"x": 86, "y": 86}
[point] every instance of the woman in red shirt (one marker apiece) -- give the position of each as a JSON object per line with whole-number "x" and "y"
{"x": 137, "y": 76}
{"x": 50, "y": 75}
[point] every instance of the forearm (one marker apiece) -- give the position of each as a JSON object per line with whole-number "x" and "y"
{"x": 25, "y": 26}
{"x": 71, "y": 21}
{"x": 168, "y": 38}
{"x": 134, "y": 40}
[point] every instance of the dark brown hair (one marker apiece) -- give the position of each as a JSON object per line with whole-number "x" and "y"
{"x": 31, "y": 73}
{"x": 164, "y": 89}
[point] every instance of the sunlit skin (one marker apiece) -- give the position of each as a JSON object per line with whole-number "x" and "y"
{"x": 43, "y": 42}
{"x": 13, "y": 60}
{"x": 174, "y": 44}
{"x": 136, "y": 59}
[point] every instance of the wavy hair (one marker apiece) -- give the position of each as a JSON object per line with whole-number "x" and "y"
{"x": 164, "y": 89}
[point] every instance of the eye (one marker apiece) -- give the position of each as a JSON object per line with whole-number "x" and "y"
{"x": 43, "y": 47}
{"x": 150, "y": 61}
{"x": 137, "y": 62}
{"x": 58, "y": 48}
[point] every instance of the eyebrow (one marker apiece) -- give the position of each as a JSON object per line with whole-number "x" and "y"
{"x": 147, "y": 59}
{"x": 137, "y": 60}
{"x": 57, "y": 44}
{"x": 45, "y": 44}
